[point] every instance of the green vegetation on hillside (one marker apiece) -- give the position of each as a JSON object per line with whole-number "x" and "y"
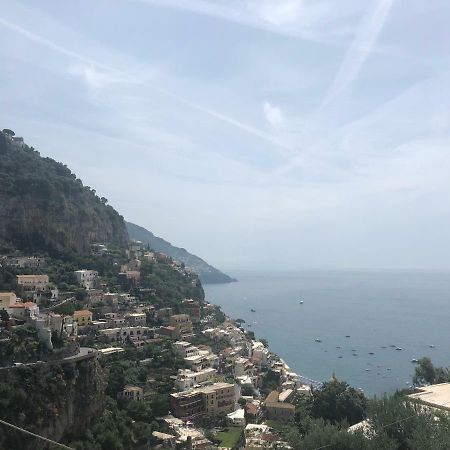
{"x": 45, "y": 207}
{"x": 206, "y": 272}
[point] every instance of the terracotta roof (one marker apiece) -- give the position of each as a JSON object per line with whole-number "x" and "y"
{"x": 251, "y": 409}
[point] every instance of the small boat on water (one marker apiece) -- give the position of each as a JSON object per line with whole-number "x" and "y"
{"x": 414, "y": 361}
{"x": 371, "y": 353}
{"x": 301, "y": 302}
{"x": 432, "y": 346}
{"x": 318, "y": 340}
{"x": 338, "y": 346}
{"x": 398, "y": 348}
{"x": 340, "y": 356}
{"x": 388, "y": 368}
{"x": 253, "y": 310}
{"x": 347, "y": 336}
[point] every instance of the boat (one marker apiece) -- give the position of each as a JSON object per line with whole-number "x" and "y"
{"x": 318, "y": 340}
{"x": 414, "y": 361}
{"x": 253, "y": 310}
{"x": 432, "y": 346}
{"x": 338, "y": 346}
{"x": 301, "y": 302}
{"x": 371, "y": 353}
{"x": 347, "y": 336}
{"x": 398, "y": 348}
{"x": 340, "y": 356}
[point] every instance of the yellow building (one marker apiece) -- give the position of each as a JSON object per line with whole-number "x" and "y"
{"x": 82, "y": 317}
{"x": 182, "y": 323}
{"x": 219, "y": 398}
{"x": 7, "y": 299}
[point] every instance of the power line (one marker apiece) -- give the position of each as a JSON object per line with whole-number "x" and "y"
{"x": 22, "y": 430}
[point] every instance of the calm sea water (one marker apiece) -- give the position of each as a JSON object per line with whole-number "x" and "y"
{"x": 376, "y": 309}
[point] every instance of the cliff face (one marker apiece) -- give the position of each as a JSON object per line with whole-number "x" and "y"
{"x": 44, "y": 207}
{"x": 52, "y": 401}
{"x": 206, "y": 272}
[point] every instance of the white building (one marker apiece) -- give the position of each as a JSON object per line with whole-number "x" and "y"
{"x": 187, "y": 379}
{"x": 121, "y": 334}
{"x": 87, "y": 278}
{"x": 185, "y": 349}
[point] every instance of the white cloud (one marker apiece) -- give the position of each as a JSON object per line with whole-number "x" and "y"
{"x": 96, "y": 78}
{"x": 273, "y": 115}
{"x": 277, "y": 12}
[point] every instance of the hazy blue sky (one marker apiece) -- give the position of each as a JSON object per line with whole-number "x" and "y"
{"x": 255, "y": 133}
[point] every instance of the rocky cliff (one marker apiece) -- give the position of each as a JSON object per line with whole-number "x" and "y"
{"x": 51, "y": 400}
{"x": 45, "y": 207}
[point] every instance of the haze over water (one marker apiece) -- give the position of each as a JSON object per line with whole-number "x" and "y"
{"x": 410, "y": 310}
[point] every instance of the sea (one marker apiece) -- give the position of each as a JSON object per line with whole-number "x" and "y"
{"x": 370, "y": 324}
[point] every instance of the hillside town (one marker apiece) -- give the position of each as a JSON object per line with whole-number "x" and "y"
{"x": 227, "y": 375}
{"x": 222, "y": 387}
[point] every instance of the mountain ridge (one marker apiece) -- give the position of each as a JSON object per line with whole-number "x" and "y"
{"x": 208, "y": 274}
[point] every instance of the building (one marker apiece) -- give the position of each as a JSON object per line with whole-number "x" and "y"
{"x": 192, "y": 308}
{"x": 87, "y": 278}
{"x": 23, "y": 311}
{"x": 135, "y": 393}
{"x": 129, "y": 279}
{"x": 201, "y": 361}
{"x": 35, "y": 283}
{"x": 220, "y": 398}
{"x": 7, "y": 299}
{"x": 124, "y": 333}
{"x": 435, "y": 396}
{"x": 182, "y": 323}
{"x": 237, "y": 418}
{"x": 185, "y": 349}
{"x": 187, "y": 405}
{"x": 216, "y": 399}
{"x": 187, "y": 379}
{"x": 242, "y": 367}
{"x": 260, "y": 436}
{"x": 82, "y": 317}
{"x": 170, "y": 332}
{"x": 24, "y": 262}
{"x": 278, "y": 410}
{"x": 136, "y": 319}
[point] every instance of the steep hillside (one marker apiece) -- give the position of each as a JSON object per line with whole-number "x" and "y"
{"x": 45, "y": 207}
{"x": 206, "y": 273}
{"x": 51, "y": 400}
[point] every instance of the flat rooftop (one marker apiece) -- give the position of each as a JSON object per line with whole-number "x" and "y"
{"x": 435, "y": 395}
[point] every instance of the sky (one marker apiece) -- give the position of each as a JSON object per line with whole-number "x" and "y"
{"x": 259, "y": 134}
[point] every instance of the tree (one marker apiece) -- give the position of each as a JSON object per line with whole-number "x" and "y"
{"x": 247, "y": 390}
{"x": 425, "y": 372}
{"x": 336, "y": 401}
